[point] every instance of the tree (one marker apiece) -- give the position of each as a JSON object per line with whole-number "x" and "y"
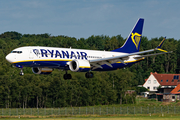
{"x": 105, "y": 88}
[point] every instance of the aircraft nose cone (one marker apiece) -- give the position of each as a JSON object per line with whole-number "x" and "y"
{"x": 9, "y": 58}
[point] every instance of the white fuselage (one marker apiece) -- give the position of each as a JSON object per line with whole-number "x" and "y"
{"x": 36, "y": 56}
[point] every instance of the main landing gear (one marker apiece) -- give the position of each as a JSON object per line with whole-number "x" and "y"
{"x": 67, "y": 76}
{"x": 87, "y": 75}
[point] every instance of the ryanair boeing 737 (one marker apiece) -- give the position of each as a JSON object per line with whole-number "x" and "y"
{"x": 44, "y": 59}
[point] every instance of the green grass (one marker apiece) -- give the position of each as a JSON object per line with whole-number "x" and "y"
{"x": 105, "y": 118}
{"x": 143, "y": 107}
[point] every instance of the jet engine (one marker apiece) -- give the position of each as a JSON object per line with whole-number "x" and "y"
{"x": 38, "y": 70}
{"x": 79, "y": 66}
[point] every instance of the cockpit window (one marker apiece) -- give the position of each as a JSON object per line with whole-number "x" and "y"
{"x": 19, "y": 52}
{"x": 16, "y": 52}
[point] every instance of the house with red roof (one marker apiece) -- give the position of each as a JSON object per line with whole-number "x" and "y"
{"x": 166, "y": 84}
{"x": 175, "y": 93}
{"x": 155, "y": 80}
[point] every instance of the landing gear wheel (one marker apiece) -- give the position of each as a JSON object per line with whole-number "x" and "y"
{"x": 21, "y": 73}
{"x": 67, "y": 76}
{"x": 89, "y": 75}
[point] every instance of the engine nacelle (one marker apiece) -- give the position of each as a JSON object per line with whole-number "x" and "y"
{"x": 37, "y": 70}
{"x": 79, "y": 66}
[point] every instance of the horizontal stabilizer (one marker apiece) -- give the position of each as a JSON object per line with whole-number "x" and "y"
{"x": 139, "y": 57}
{"x": 162, "y": 50}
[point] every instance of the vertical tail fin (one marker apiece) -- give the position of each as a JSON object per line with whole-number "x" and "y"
{"x": 133, "y": 41}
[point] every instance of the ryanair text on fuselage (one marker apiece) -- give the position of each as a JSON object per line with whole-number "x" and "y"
{"x": 60, "y": 54}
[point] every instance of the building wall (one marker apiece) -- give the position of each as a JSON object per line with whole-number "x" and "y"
{"x": 152, "y": 84}
{"x": 177, "y": 97}
{"x": 167, "y": 90}
{"x": 167, "y": 98}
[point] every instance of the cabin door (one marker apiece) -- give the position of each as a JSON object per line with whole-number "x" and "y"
{"x": 31, "y": 54}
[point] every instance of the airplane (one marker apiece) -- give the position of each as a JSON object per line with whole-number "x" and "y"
{"x": 43, "y": 60}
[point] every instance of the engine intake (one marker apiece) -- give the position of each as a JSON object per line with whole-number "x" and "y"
{"x": 37, "y": 70}
{"x": 79, "y": 66}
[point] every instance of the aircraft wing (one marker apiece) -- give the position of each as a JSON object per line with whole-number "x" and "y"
{"x": 110, "y": 60}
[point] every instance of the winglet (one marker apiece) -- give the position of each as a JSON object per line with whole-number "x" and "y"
{"x": 160, "y": 45}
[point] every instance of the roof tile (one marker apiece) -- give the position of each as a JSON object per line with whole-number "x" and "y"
{"x": 176, "y": 90}
{"x": 167, "y": 79}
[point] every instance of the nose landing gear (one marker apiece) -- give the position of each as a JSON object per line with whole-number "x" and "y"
{"x": 21, "y": 73}
{"x": 21, "y": 69}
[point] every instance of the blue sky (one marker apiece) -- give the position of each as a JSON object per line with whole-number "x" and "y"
{"x": 83, "y": 18}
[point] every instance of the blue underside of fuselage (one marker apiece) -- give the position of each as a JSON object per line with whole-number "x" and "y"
{"x": 63, "y": 65}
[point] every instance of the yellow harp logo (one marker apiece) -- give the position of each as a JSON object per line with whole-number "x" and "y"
{"x": 136, "y": 39}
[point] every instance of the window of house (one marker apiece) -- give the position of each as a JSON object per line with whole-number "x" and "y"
{"x": 148, "y": 87}
{"x": 154, "y": 88}
{"x": 161, "y": 80}
{"x": 166, "y": 80}
{"x": 155, "y": 81}
{"x": 149, "y": 81}
{"x": 176, "y": 77}
{"x": 172, "y": 80}
{"x": 173, "y": 97}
